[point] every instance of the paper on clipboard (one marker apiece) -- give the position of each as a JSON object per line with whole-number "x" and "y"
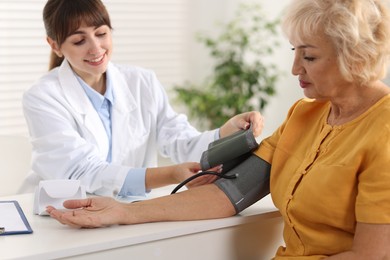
{"x": 12, "y": 219}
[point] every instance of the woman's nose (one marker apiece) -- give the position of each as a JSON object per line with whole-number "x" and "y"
{"x": 297, "y": 68}
{"x": 94, "y": 47}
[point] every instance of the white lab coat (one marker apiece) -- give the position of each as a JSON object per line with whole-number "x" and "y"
{"x": 69, "y": 140}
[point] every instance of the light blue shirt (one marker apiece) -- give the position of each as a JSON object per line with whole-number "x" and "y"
{"x": 103, "y": 106}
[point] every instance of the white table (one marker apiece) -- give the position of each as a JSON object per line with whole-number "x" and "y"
{"x": 254, "y": 234}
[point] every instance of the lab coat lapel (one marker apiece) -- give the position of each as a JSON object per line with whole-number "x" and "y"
{"x": 87, "y": 115}
{"x": 123, "y": 120}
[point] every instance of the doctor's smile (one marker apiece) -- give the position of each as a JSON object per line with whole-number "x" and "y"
{"x": 96, "y": 61}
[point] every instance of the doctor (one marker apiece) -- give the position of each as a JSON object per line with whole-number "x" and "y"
{"x": 102, "y": 123}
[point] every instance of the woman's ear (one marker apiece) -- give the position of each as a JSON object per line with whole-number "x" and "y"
{"x": 54, "y": 46}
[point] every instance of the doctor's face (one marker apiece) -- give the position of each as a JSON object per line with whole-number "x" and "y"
{"x": 88, "y": 50}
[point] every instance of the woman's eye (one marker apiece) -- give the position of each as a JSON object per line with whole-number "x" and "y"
{"x": 79, "y": 42}
{"x": 309, "y": 58}
{"x": 101, "y": 34}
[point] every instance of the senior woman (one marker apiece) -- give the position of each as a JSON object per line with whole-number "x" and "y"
{"x": 330, "y": 174}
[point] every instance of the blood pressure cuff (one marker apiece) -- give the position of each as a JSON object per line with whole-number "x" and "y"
{"x": 251, "y": 184}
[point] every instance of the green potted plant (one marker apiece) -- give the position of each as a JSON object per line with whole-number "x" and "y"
{"x": 242, "y": 80}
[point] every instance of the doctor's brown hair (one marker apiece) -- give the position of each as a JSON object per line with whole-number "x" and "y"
{"x": 63, "y": 17}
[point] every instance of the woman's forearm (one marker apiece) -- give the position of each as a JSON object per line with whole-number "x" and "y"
{"x": 203, "y": 202}
{"x": 371, "y": 241}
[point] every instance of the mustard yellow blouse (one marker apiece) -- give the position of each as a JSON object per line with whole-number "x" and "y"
{"x": 324, "y": 179}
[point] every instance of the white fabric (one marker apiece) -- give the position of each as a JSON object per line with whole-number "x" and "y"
{"x": 69, "y": 140}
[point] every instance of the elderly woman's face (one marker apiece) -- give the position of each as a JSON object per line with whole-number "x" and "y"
{"x": 316, "y": 66}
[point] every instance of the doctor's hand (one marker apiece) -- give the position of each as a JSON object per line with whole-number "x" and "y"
{"x": 243, "y": 121}
{"x": 187, "y": 170}
{"x": 90, "y": 213}
{"x": 174, "y": 174}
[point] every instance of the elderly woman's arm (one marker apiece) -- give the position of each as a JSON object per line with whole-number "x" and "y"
{"x": 371, "y": 241}
{"x": 202, "y": 202}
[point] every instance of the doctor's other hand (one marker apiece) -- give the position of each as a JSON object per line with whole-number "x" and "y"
{"x": 90, "y": 213}
{"x": 243, "y": 121}
{"x": 187, "y": 170}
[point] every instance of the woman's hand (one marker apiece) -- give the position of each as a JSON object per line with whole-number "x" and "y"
{"x": 243, "y": 121}
{"x": 91, "y": 213}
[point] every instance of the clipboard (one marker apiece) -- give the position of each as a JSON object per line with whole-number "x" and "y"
{"x": 12, "y": 219}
